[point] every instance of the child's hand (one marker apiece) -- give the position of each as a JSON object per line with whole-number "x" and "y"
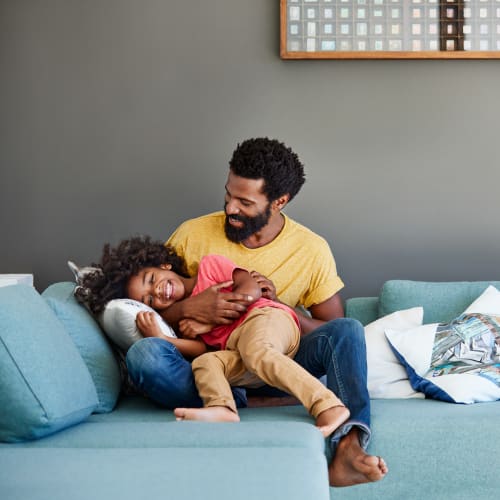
{"x": 190, "y": 328}
{"x": 266, "y": 285}
{"x": 148, "y": 324}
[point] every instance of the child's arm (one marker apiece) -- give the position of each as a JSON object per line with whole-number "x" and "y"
{"x": 190, "y": 348}
{"x": 246, "y": 290}
{"x": 244, "y": 283}
{"x": 190, "y": 328}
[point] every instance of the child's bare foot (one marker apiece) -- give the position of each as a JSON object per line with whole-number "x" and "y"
{"x": 207, "y": 414}
{"x": 331, "y": 419}
{"x": 352, "y": 465}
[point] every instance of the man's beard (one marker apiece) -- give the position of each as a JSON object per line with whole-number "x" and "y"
{"x": 251, "y": 225}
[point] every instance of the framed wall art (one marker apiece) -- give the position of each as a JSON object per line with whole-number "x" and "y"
{"x": 390, "y": 29}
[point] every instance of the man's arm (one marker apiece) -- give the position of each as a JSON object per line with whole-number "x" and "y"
{"x": 212, "y": 307}
{"x": 327, "y": 310}
{"x": 331, "y": 308}
{"x": 243, "y": 285}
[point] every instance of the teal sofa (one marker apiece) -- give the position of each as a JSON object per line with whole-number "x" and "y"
{"x": 67, "y": 431}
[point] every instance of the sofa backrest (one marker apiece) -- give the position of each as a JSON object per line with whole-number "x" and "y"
{"x": 442, "y": 301}
{"x": 364, "y": 309}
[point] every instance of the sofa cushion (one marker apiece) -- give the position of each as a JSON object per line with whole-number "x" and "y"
{"x": 90, "y": 341}
{"x": 442, "y": 301}
{"x": 274, "y": 453}
{"x": 434, "y": 451}
{"x": 44, "y": 384}
{"x": 243, "y": 473}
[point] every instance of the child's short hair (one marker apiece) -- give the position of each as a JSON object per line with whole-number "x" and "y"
{"x": 118, "y": 264}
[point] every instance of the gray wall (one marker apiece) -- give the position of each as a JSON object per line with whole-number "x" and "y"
{"x": 118, "y": 117}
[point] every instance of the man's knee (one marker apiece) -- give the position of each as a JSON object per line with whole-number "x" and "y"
{"x": 343, "y": 329}
{"x": 351, "y": 327}
{"x": 338, "y": 335}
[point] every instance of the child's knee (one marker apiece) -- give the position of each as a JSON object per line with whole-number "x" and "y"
{"x": 254, "y": 359}
{"x": 202, "y": 361}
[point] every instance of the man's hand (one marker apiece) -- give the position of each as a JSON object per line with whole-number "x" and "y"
{"x": 266, "y": 285}
{"x": 213, "y": 306}
{"x": 190, "y": 328}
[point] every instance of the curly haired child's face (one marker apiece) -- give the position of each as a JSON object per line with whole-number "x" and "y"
{"x": 157, "y": 287}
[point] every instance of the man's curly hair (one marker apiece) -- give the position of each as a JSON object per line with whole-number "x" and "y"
{"x": 271, "y": 160}
{"x": 119, "y": 264}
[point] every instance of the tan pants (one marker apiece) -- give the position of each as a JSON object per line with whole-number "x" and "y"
{"x": 260, "y": 350}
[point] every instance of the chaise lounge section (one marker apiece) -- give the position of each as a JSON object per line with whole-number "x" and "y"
{"x": 68, "y": 431}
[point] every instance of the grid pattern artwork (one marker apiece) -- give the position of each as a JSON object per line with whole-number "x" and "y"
{"x": 392, "y": 25}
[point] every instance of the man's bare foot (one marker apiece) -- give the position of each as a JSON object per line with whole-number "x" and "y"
{"x": 331, "y": 419}
{"x": 352, "y": 465}
{"x": 207, "y": 414}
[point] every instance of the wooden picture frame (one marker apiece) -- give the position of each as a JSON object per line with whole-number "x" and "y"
{"x": 390, "y": 29}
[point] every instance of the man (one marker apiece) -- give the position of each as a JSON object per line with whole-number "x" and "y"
{"x": 292, "y": 265}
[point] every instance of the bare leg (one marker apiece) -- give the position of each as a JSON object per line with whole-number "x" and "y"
{"x": 207, "y": 414}
{"x": 332, "y": 418}
{"x": 352, "y": 465}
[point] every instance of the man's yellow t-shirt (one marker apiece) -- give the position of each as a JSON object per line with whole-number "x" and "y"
{"x": 298, "y": 261}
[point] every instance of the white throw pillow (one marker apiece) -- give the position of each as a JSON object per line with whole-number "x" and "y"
{"x": 118, "y": 321}
{"x": 487, "y": 303}
{"x": 387, "y": 378}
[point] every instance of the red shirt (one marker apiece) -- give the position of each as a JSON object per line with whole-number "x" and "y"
{"x": 214, "y": 269}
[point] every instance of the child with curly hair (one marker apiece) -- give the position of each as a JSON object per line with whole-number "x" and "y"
{"x": 256, "y": 348}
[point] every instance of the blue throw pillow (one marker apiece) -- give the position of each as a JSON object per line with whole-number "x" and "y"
{"x": 90, "y": 341}
{"x": 44, "y": 384}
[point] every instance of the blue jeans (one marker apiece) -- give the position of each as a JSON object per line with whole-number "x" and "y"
{"x": 335, "y": 349}
{"x": 160, "y": 372}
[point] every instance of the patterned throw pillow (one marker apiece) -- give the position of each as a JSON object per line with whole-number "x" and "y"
{"x": 458, "y": 362}
{"x": 470, "y": 344}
